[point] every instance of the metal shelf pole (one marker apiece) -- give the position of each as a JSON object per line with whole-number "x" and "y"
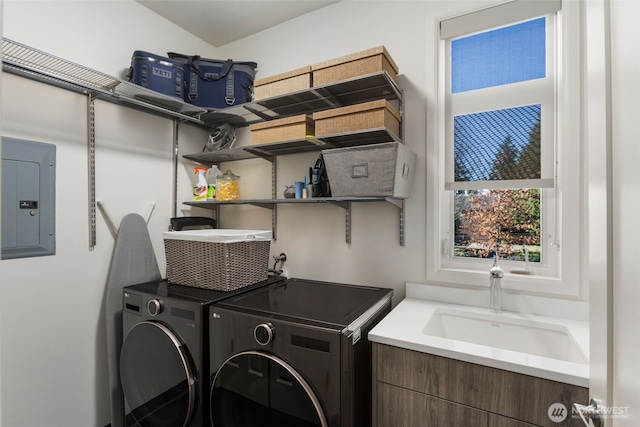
{"x": 274, "y": 211}
{"x": 91, "y": 159}
{"x": 174, "y": 165}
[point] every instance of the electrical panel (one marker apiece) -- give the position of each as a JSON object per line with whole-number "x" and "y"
{"x": 28, "y": 198}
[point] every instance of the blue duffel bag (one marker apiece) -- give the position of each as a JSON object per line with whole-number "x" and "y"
{"x": 215, "y": 84}
{"x": 160, "y": 74}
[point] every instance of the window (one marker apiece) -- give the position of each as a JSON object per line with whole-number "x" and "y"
{"x": 503, "y": 147}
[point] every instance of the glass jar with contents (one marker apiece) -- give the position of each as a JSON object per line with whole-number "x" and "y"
{"x": 227, "y": 186}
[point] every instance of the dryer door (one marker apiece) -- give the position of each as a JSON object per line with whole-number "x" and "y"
{"x": 157, "y": 376}
{"x": 254, "y": 388}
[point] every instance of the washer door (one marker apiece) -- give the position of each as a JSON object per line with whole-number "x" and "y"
{"x": 157, "y": 376}
{"x": 254, "y": 388}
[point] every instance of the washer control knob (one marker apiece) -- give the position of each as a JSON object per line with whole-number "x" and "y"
{"x": 155, "y": 307}
{"x": 264, "y": 333}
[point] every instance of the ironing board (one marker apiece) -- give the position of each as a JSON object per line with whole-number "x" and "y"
{"x": 133, "y": 262}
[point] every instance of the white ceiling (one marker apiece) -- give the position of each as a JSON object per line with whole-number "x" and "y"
{"x": 219, "y": 22}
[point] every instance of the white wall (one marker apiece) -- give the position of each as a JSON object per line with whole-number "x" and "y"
{"x": 53, "y": 364}
{"x": 99, "y": 34}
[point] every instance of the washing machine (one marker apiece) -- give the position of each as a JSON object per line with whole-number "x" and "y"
{"x": 164, "y": 359}
{"x": 294, "y": 354}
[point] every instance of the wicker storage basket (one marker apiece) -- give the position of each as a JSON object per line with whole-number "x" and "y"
{"x": 286, "y": 129}
{"x": 359, "y": 117}
{"x": 280, "y": 84}
{"x": 222, "y": 260}
{"x": 355, "y": 65}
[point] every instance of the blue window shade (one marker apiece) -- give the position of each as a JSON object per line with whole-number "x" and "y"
{"x": 507, "y": 55}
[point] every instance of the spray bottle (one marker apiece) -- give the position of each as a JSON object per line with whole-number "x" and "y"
{"x": 200, "y": 189}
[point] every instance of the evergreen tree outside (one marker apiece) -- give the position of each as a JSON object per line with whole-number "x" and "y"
{"x": 505, "y": 166}
{"x": 529, "y": 158}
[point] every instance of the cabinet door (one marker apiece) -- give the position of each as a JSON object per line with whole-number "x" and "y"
{"x": 498, "y": 421}
{"x": 399, "y": 407}
{"x": 514, "y": 395}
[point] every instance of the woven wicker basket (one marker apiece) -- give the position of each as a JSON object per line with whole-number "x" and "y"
{"x": 210, "y": 259}
{"x": 354, "y": 65}
{"x": 285, "y": 129}
{"x": 280, "y": 84}
{"x": 359, "y": 117}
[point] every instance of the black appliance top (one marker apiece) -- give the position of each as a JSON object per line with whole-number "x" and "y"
{"x": 164, "y": 289}
{"x": 312, "y": 302}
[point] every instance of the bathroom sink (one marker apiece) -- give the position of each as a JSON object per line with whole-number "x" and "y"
{"x": 527, "y": 342}
{"x": 499, "y": 330}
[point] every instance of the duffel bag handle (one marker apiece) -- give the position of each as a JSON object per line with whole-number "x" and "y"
{"x": 194, "y": 64}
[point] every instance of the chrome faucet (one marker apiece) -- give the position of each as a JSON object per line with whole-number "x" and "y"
{"x": 495, "y": 286}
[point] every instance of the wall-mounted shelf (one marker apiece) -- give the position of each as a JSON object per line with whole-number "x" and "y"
{"x": 268, "y": 151}
{"x": 268, "y": 203}
{"x": 265, "y": 151}
{"x": 346, "y": 92}
{"x": 342, "y": 202}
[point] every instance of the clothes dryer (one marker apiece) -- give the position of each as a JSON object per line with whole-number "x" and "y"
{"x": 294, "y": 354}
{"x": 164, "y": 360}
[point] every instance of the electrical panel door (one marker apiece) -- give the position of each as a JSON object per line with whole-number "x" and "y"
{"x": 28, "y": 198}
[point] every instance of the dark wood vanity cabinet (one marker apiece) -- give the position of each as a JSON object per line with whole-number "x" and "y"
{"x": 414, "y": 389}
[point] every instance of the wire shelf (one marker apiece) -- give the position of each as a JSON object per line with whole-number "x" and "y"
{"x": 38, "y": 65}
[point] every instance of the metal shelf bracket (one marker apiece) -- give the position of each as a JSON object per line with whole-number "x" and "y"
{"x": 346, "y": 205}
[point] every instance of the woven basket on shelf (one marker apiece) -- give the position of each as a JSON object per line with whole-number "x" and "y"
{"x": 222, "y": 266}
{"x": 359, "y": 117}
{"x": 354, "y": 65}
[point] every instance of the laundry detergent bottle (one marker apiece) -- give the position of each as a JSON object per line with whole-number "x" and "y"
{"x": 200, "y": 189}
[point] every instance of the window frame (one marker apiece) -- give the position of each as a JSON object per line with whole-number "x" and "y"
{"x": 562, "y": 221}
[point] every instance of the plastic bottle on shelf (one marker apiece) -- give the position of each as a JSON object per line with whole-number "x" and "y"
{"x": 200, "y": 189}
{"x": 212, "y": 175}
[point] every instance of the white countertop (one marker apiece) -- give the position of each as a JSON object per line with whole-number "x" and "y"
{"x": 404, "y": 328}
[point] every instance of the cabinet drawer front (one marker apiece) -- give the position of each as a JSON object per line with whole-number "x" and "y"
{"x": 398, "y": 407}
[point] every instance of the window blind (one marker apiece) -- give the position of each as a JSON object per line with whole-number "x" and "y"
{"x": 500, "y": 103}
{"x": 496, "y": 16}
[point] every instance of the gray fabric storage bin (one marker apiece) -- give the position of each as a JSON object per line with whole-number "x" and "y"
{"x": 375, "y": 170}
